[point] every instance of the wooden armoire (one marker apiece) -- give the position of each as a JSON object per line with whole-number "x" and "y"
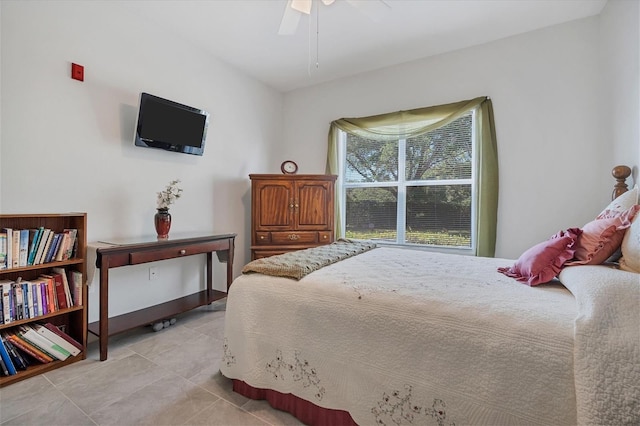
{"x": 290, "y": 212}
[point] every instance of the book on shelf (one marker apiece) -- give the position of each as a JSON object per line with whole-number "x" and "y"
{"x": 23, "y": 251}
{"x": 64, "y": 335}
{"x": 61, "y": 296}
{"x": 38, "y": 293}
{"x": 4, "y": 354}
{"x": 18, "y": 301}
{"x": 3, "y": 368}
{"x": 15, "y": 248}
{"x": 35, "y": 235}
{"x": 42, "y": 343}
{"x": 76, "y": 284}
{"x": 45, "y": 241}
{"x": 55, "y": 241}
{"x": 50, "y": 293}
{"x": 3, "y": 249}
{"x": 73, "y": 244}
{"x": 65, "y": 284}
{"x": 33, "y": 296}
{"x": 62, "y": 247}
{"x": 57, "y": 339}
{"x": 32, "y": 300}
{"x": 9, "y": 255}
{"x": 19, "y": 361}
{"x": 28, "y": 348}
{"x": 44, "y": 295}
{"x": 7, "y": 295}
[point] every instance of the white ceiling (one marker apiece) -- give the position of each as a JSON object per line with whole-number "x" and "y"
{"x": 244, "y": 33}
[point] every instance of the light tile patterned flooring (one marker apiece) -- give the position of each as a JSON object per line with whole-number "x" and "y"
{"x": 170, "y": 377}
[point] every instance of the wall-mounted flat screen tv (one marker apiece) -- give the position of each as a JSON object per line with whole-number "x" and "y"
{"x": 171, "y": 126}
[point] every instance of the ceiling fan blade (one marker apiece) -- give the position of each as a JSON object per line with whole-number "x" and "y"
{"x": 374, "y": 9}
{"x": 303, "y": 6}
{"x": 290, "y": 20}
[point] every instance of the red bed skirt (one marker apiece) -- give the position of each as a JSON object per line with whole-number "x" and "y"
{"x": 305, "y": 411}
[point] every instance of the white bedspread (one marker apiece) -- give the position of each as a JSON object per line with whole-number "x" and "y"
{"x": 406, "y": 337}
{"x": 607, "y": 344}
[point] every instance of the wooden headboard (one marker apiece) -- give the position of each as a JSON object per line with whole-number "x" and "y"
{"x": 620, "y": 173}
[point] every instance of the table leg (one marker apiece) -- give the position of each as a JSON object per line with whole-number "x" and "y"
{"x": 230, "y": 264}
{"x": 104, "y": 309}
{"x": 209, "y": 277}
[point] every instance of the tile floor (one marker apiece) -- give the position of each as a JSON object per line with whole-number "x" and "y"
{"x": 170, "y": 377}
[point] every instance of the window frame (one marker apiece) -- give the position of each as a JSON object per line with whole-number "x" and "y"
{"x": 402, "y": 184}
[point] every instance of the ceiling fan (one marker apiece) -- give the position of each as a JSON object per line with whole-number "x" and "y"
{"x": 374, "y": 9}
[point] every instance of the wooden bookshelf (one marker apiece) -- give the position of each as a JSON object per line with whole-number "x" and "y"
{"x": 74, "y": 318}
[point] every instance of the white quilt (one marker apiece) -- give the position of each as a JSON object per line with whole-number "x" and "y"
{"x": 607, "y": 344}
{"x": 399, "y": 337}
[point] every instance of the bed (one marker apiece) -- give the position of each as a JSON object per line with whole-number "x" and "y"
{"x": 353, "y": 333}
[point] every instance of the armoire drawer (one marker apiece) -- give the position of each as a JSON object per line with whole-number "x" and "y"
{"x": 294, "y": 237}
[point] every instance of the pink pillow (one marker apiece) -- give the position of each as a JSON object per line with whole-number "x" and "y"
{"x": 600, "y": 238}
{"x": 542, "y": 262}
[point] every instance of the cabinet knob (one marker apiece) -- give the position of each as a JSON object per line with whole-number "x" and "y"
{"x": 324, "y": 236}
{"x": 262, "y": 237}
{"x": 182, "y": 252}
{"x": 297, "y": 206}
{"x": 290, "y": 206}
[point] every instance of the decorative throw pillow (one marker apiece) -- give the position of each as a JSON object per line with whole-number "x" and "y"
{"x": 631, "y": 247}
{"x": 623, "y": 202}
{"x": 542, "y": 262}
{"x": 600, "y": 238}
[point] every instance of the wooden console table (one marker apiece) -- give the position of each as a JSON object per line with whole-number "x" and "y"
{"x": 116, "y": 254}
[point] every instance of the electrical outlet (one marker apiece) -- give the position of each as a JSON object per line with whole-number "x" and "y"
{"x": 153, "y": 273}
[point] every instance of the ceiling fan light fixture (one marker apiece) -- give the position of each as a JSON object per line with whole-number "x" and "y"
{"x": 303, "y": 6}
{"x": 328, "y": 2}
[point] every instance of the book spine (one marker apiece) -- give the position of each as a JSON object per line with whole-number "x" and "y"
{"x": 52, "y": 247}
{"x": 6, "y": 302}
{"x": 72, "y": 247}
{"x": 19, "y": 300}
{"x": 23, "y": 244}
{"x": 44, "y": 246}
{"x": 9, "y": 258}
{"x": 77, "y": 287}
{"x": 18, "y": 360}
{"x": 64, "y": 335}
{"x": 34, "y": 245}
{"x": 15, "y": 248}
{"x": 61, "y": 297}
{"x": 48, "y": 334}
{"x": 29, "y": 349}
{"x": 3, "y": 250}
{"x": 4, "y": 354}
{"x": 62, "y": 248}
{"x": 38, "y": 294}
{"x": 3, "y": 368}
{"x": 43, "y": 296}
{"x": 28, "y": 292}
{"x": 34, "y": 290}
{"x": 43, "y": 344}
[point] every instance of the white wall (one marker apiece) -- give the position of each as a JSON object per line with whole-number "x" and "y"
{"x": 620, "y": 65}
{"x": 68, "y": 145}
{"x": 545, "y": 86}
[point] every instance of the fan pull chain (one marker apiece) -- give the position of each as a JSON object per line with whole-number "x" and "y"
{"x": 317, "y": 41}
{"x": 317, "y": 36}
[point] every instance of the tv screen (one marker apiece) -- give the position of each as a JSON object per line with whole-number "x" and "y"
{"x": 171, "y": 126}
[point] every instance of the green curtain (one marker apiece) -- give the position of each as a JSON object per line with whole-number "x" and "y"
{"x": 406, "y": 124}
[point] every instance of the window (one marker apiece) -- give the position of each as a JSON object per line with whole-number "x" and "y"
{"x": 424, "y": 177}
{"x": 417, "y": 190}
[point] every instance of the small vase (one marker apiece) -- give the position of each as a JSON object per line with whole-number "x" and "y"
{"x": 162, "y": 221}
